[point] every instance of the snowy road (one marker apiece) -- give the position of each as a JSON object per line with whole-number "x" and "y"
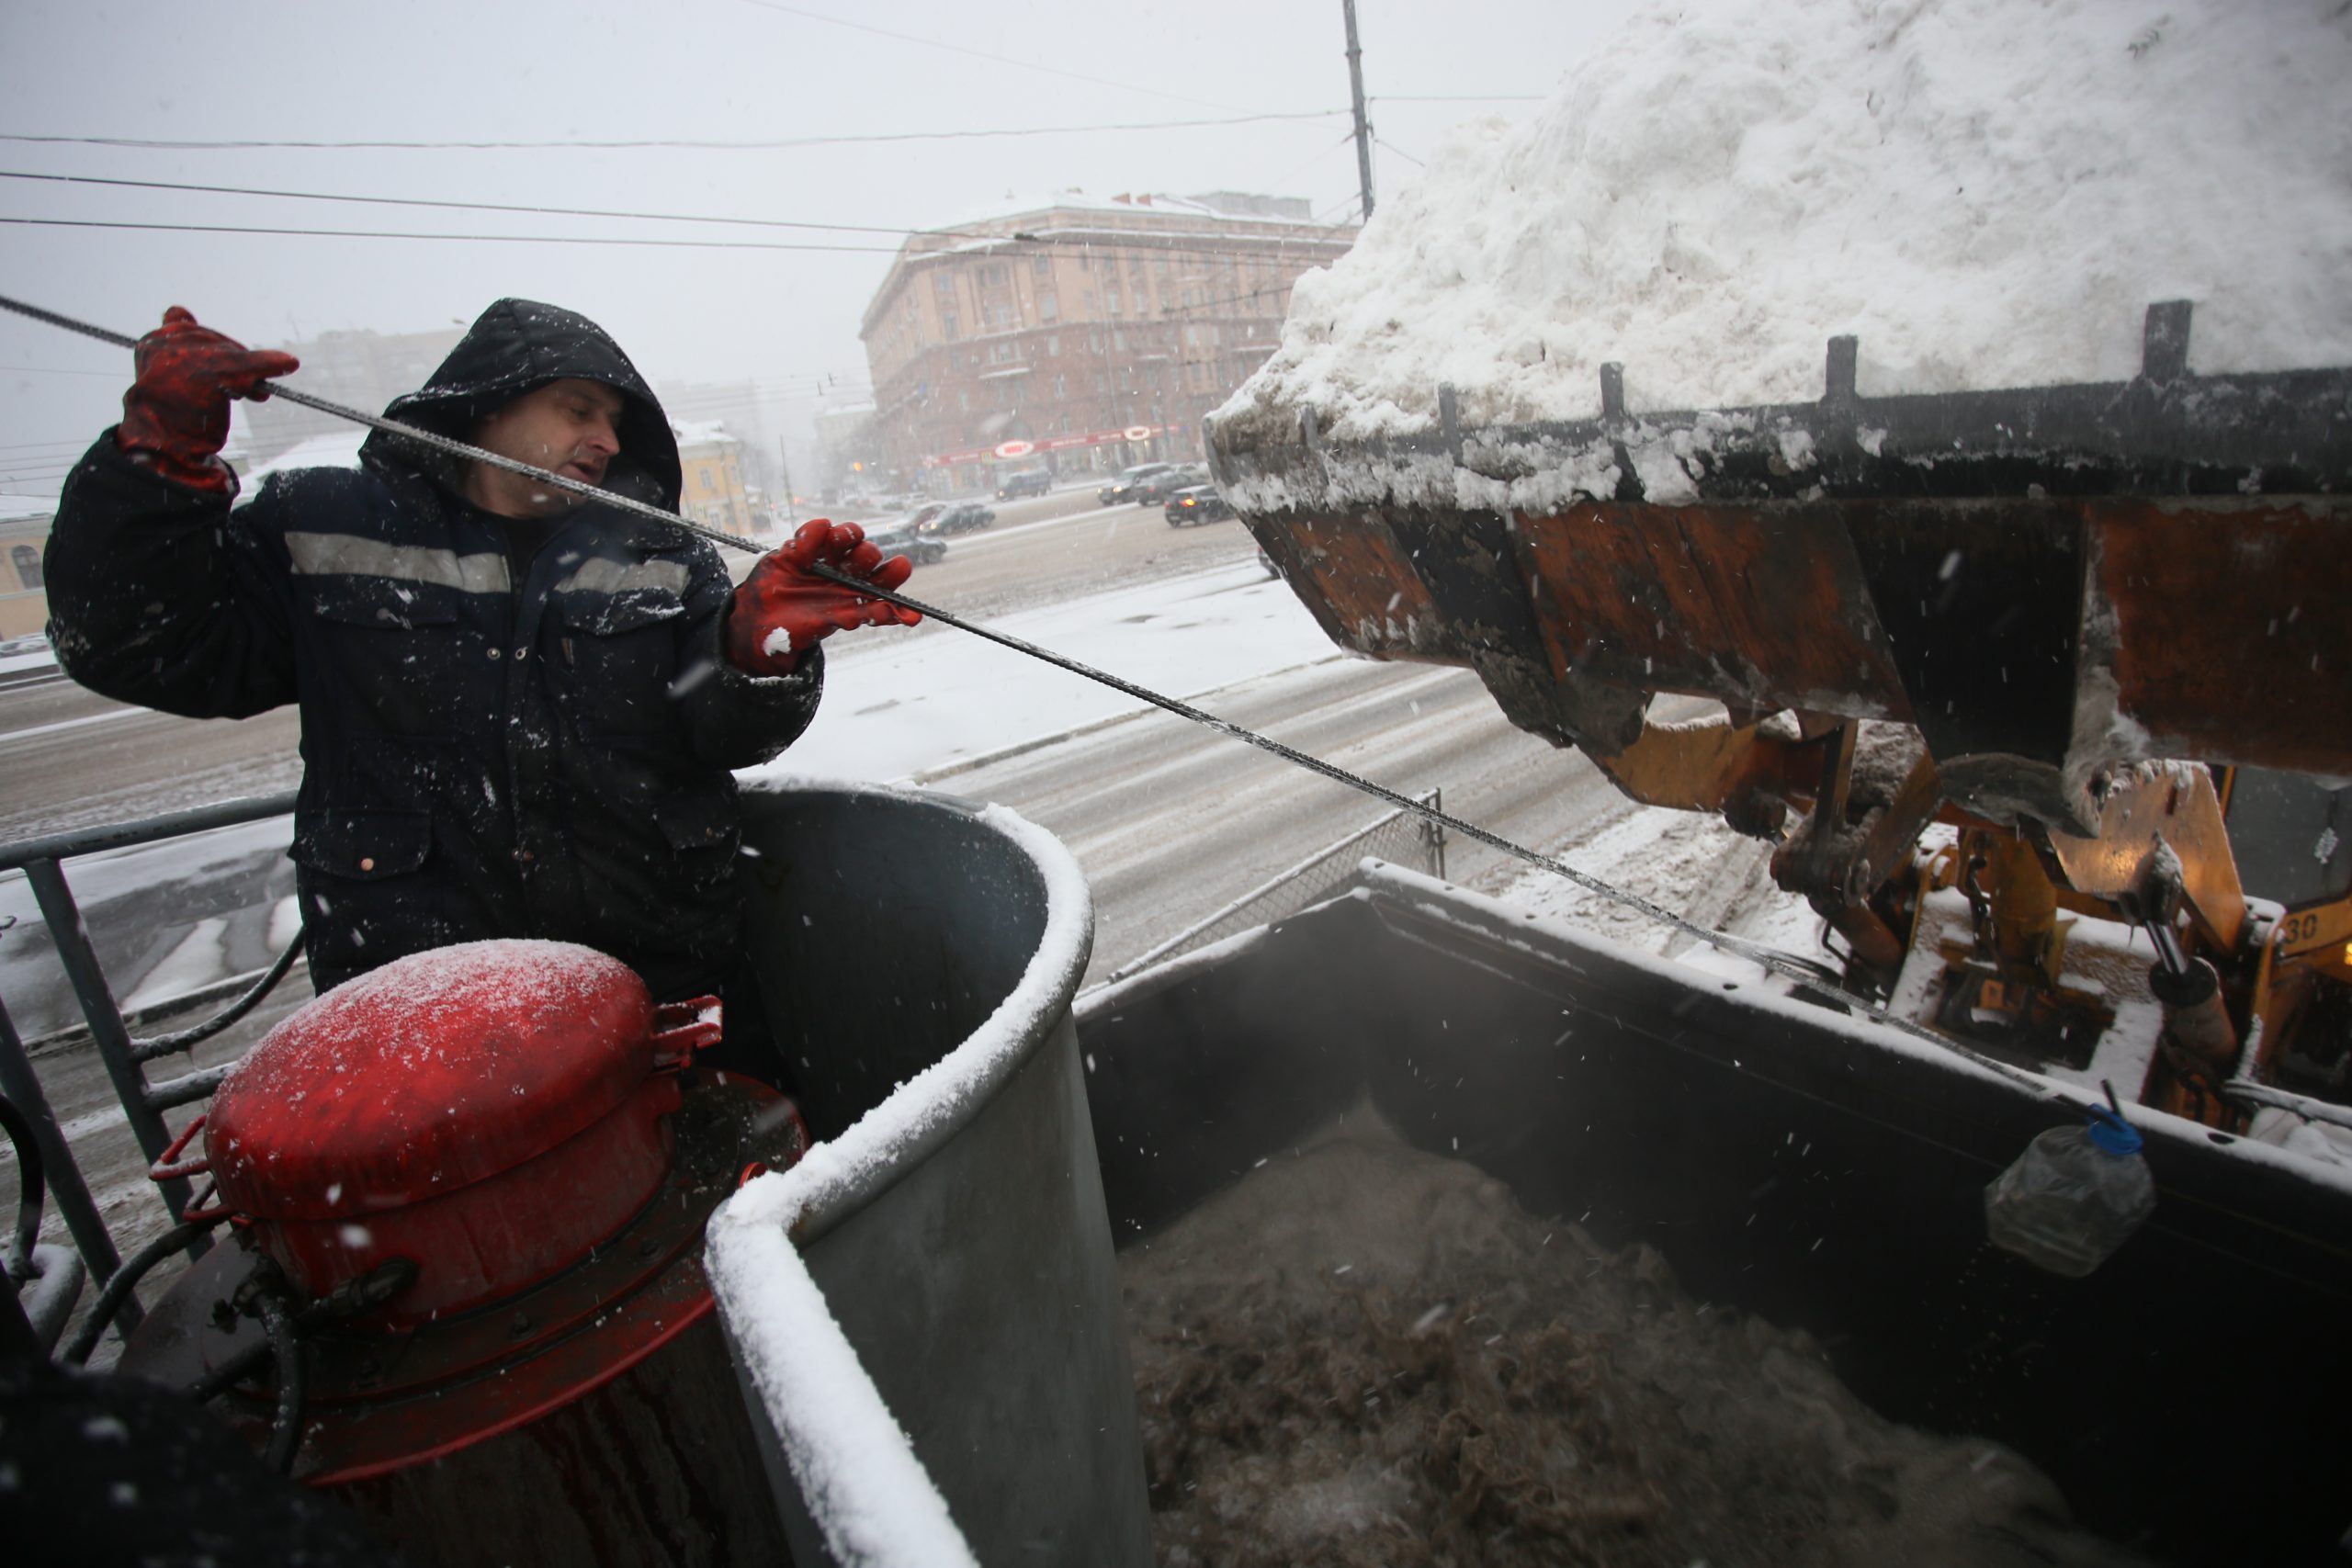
{"x": 1169, "y": 820}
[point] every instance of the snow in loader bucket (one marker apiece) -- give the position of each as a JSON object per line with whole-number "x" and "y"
{"x": 2046, "y": 581}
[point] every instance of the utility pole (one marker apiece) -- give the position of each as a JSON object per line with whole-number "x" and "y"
{"x": 783, "y": 455}
{"x": 1364, "y": 127}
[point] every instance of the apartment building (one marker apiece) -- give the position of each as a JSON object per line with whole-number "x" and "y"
{"x": 711, "y": 460}
{"x": 1079, "y": 331}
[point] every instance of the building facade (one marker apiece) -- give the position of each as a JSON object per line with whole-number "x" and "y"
{"x": 364, "y": 369}
{"x": 1078, "y": 333}
{"x": 24, "y": 536}
{"x": 714, "y": 494}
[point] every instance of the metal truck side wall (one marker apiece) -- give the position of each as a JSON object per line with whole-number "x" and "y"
{"x": 975, "y": 1280}
{"x": 1798, "y": 1163}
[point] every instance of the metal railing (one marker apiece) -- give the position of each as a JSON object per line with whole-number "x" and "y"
{"x": 125, "y": 1057}
{"x": 1398, "y": 836}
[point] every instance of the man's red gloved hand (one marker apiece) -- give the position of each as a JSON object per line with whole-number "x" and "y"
{"x": 783, "y": 609}
{"x": 177, "y": 411}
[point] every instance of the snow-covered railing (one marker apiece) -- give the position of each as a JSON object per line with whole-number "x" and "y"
{"x": 143, "y": 1104}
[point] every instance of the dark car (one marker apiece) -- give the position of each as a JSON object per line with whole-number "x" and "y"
{"x": 1195, "y": 503}
{"x": 1035, "y": 481}
{"x": 902, "y": 538}
{"x": 1123, "y": 487}
{"x": 961, "y": 518}
{"x": 1155, "y": 489}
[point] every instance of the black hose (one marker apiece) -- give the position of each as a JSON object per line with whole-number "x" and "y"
{"x": 228, "y": 1374}
{"x": 31, "y": 1189}
{"x": 378, "y": 1285}
{"x": 119, "y": 1286}
{"x": 181, "y": 1040}
{"x": 286, "y": 1424}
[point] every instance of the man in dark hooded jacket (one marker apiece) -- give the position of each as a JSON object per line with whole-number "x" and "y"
{"x": 519, "y": 712}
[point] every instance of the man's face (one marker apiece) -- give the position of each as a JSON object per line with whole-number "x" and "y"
{"x": 571, "y": 426}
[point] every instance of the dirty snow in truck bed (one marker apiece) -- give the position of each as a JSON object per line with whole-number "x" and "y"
{"x": 1988, "y": 192}
{"x": 1363, "y": 1353}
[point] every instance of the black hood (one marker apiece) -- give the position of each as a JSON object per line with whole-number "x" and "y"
{"x": 514, "y": 347}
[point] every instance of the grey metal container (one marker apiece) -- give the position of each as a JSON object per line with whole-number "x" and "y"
{"x": 972, "y": 1272}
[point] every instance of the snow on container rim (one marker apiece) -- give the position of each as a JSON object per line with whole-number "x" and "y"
{"x": 1989, "y": 193}
{"x": 1514, "y": 924}
{"x": 926, "y": 1109}
{"x": 853, "y": 1463}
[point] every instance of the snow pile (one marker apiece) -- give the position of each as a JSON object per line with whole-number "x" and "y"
{"x": 1989, "y": 193}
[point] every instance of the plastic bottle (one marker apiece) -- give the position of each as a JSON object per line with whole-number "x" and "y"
{"x": 2074, "y": 1196}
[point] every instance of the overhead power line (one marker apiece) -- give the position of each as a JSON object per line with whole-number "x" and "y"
{"x": 490, "y": 238}
{"x": 1087, "y": 76}
{"x": 475, "y": 206}
{"x": 747, "y": 145}
{"x": 1234, "y": 246}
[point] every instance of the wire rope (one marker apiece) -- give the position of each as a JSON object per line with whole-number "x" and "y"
{"x": 1768, "y": 959}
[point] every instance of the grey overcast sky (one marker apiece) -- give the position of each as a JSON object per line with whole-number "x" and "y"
{"x": 700, "y": 70}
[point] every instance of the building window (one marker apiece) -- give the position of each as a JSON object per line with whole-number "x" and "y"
{"x": 26, "y": 560}
{"x": 1118, "y": 342}
{"x": 1054, "y": 347}
{"x": 963, "y": 399}
{"x": 998, "y": 353}
{"x": 1042, "y": 265}
{"x": 1060, "y": 390}
{"x": 949, "y": 324}
{"x": 1048, "y": 306}
{"x": 1111, "y": 305}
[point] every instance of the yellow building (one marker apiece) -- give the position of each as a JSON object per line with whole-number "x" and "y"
{"x": 24, "y": 534}
{"x": 714, "y": 495}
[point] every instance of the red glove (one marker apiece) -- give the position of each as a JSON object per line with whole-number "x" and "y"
{"x": 784, "y": 609}
{"x": 177, "y": 411}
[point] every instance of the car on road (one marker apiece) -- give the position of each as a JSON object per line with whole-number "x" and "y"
{"x": 961, "y": 518}
{"x": 1030, "y": 481}
{"x": 1156, "y": 489}
{"x": 1195, "y": 504}
{"x": 902, "y": 538}
{"x": 1123, "y": 487}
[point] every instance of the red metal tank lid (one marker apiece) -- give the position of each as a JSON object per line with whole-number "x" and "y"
{"x": 433, "y": 1072}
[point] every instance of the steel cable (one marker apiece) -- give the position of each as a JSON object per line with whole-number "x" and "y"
{"x": 1787, "y": 967}
{"x": 118, "y": 1288}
